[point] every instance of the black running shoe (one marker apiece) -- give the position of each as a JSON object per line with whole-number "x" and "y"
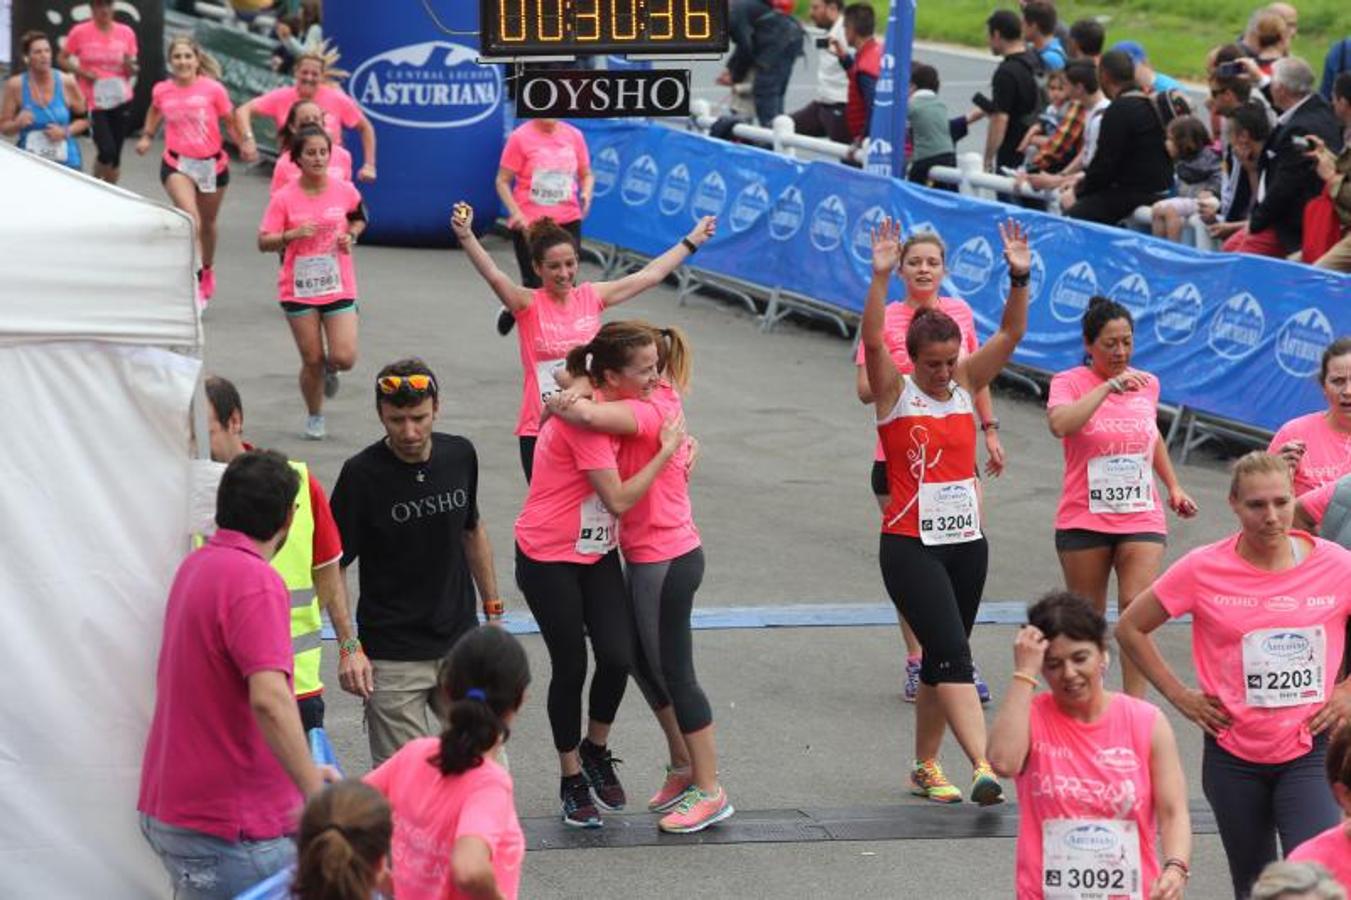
{"x": 578, "y": 810}
{"x": 598, "y": 765}
{"x": 505, "y": 322}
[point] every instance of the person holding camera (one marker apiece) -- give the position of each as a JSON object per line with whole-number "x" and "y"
{"x": 1335, "y": 171}
{"x": 824, "y": 115}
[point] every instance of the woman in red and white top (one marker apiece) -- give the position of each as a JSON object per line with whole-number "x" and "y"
{"x": 312, "y": 83}
{"x": 922, "y": 269}
{"x": 1110, "y": 517}
{"x": 567, "y": 566}
{"x": 195, "y": 169}
{"x": 933, "y": 554}
{"x": 287, "y": 170}
{"x": 1058, "y": 744}
{"x": 1317, "y": 446}
{"x": 315, "y": 221}
{"x": 561, "y": 314}
{"x": 1269, "y": 610}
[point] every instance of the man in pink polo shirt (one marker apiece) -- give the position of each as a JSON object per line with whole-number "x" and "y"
{"x": 226, "y": 765}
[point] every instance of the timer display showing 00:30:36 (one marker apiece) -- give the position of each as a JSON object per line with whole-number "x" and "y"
{"x": 544, "y": 27}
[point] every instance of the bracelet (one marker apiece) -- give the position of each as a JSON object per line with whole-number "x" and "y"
{"x": 690, "y": 245}
{"x": 494, "y": 609}
{"x": 1020, "y": 279}
{"x": 1116, "y": 385}
{"x": 1173, "y": 862}
{"x": 348, "y": 647}
{"x": 249, "y": 137}
{"x": 992, "y": 425}
{"x": 1023, "y": 676}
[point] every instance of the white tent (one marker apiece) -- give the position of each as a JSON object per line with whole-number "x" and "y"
{"x": 99, "y": 358}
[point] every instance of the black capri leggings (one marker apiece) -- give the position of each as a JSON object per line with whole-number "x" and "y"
{"x": 1256, "y": 802}
{"x": 527, "y": 265}
{"x": 527, "y": 442}
{"x": 662, "y": 596}
{"x": 937, "y": 589}
{"x": 569, "y": 602}
{"x": 110, "y": 128}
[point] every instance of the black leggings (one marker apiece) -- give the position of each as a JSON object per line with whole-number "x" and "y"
{"x": 662, "y": 596}
{"x": 569, "y": 602}
{"x": 527, "y": 442}
{"x": 527, "y": 265}
{"x": 110, "y": 128}
{"x": 937, "y": 589}
{"x": 1256, "y": 802}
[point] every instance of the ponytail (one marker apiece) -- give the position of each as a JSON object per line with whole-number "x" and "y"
{"x": 543, "y": 234}
{"x": 483, "y": 679}
{"x": 610, "y": 349}
{"x": 674, "y": 353}
{"x": 344, "y": 835}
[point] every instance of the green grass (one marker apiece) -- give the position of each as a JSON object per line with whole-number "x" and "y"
{"x": 1177, "y": 33}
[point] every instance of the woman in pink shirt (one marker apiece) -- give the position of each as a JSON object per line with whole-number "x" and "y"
{"x": 561, "y": 314}
{"x": 315, "y": 221}
{"x": 1058, "y": 744}
{"x": 456, "y": 834}
{"x": 312, "y": 83}
{"x": 1332, "y": 848}
{"x": 923, "y": 267}
{"x": 287, "y": 170}
{"x": 102, "y": 54}
{"x": 551, "y": 169}
{"x": 195, "y": 169}
{"x": 1317, "y": 446}
{"x": 567, "y": 566}
{"x": 662, "y": 552}
{"x": 1269, "y": 611}
{"x": 342, "y": 847}
{"x": 1110, "y": 517}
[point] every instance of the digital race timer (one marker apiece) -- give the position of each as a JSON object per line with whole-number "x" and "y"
{"x": 526, "y": 28}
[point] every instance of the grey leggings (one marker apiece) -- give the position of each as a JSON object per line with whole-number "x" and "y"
{"x": 661, "y": 596}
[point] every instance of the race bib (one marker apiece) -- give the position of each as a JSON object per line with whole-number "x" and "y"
{"x": 316, "y": 276}
{"x": 1284, "y": 666}
{"x": 37, "y": 143}
{"x": 544, "y": 377}
{"x": 550, "y": 188}
{"x": 201, "y": 171}
{"x": 949, "y": 512}
{"x": 110, "y": 93}
{"x": 1090, "y": 859}
{"x": 598, "y": 532}
{"x": 1120, "y": 484}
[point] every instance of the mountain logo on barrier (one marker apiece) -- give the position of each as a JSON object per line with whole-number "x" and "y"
{"x": 710, "y": 196}
{"x": 748, "y": 207}
{"x": 861, "y": 241}
{"x": 879, "y": 157}
{"x": 675, "y": 190}
{"x": 1237, "y": 327}
{"x": 1300, "y": 342}
{"x": 435, "y": 84}
{"x": 1132, "y": 292}
{"x": 971, "y": 266}
{"x": 1177, "y": 314}
{"x": 1035, "y": 282}
{"x": 886, "y": 82}
{"x": 640, "y": 181}
{"x": 605, "y": 168}
{"x": 1069, "y": 295}
{"x": 786, "y": 218}
{"x": 828, "y": 224}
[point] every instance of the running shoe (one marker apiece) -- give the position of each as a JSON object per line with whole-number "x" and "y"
{"x": 696, "y": 811}
{"x": 578, "y": 810}
{"x": 982, "y": 689}
{"x": 598, "y": 765}
{"x": 911, "y": 679}
{"x": 207, "y": 279}
{"x": 330, "y": 383}
{"x": 505, "y": 321}
{"x": 927, "y": 780}
{"x": 985, "y": 787}
{"x": 677, "y": 785}
{"x": 314, "y": 428}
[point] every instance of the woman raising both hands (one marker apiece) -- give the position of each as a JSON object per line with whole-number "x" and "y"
{"x": 933, "y": 553}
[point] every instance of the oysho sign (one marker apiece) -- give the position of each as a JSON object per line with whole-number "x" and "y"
{"x": 588, "y": 94}
{"x": 435, "y": 84}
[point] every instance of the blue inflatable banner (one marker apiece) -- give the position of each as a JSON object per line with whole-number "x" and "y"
{"x": 891, "y": 99}
{"x": 1237, "y": 337}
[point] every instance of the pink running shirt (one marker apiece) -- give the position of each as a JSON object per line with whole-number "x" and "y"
{"x": 660, "y": 526}
{"x": 897, "y": 323}
{"x": 192, "y": 117}
{"x": 285, "y": 171}
{"x": 1331, "y": 850}
{"x": 548, "y": 167}
{"x": 1229, "y": 599}
{"x": 317, "y": 257}
{"x": 561, "y": 501}
{"x": 340, "y": 110}
{"x": 1079, "y": 770}
{"x": 1121, "y": 433}
{"x": 545, "y": 332}
{"x": 1316, "y": 501}
{"x": 1327, "y": 452}
{"x": 103, "y": 54}
{"x": 432, "y": 811}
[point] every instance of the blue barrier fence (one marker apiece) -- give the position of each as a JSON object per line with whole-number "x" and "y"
{"x": 1236, "y": 337}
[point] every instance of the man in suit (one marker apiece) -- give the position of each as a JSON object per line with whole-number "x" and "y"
{"x": 1287, "y": 176}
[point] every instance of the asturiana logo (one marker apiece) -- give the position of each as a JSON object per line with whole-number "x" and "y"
{"x": 1300, "y": 342}
{"x": 886, "y": 82}
{"x": 750, "y": 204}
{"x": 786, "y": 218}
{"x": 675, "y": 190}
{"x": 971, "y": 266}
{"x": 605, "y": 167}
{"x": 1122, "y": 759}
{"x": 1132, "y": 292}
{"x": 1286, "y": 645}
{"x": 879, "y": 157}
{"x": 640, "y": 181}
{"x": 1069, "y": 295}
{"x": 1237, "y": 327}
{"x": 828, "y": 222}
{"x": 1092, "y": 838}
{"x": 1177, "y": 314}
{"x": 710, "y": 196}
{"x": 435, "y": 84}
{"x": 861, "y": 241}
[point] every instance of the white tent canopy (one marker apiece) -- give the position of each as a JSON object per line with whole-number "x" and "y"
{"x": 96, "y": 286}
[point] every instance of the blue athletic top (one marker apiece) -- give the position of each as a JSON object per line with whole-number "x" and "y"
{"x": 54, "y": 113}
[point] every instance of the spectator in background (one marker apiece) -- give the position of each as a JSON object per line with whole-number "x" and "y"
{"x": 927, "y": 117}
{"x": 1084, "y": 90}
{"x": 1058, "y": 93}
{"x": 1287, "y": 177}
{"x": 824, "y": 115}
{"x": 1013, "y": 88}
{"x": 1198, "y": 177}
{"x": 1337, "y": 61}
{"x": 766, "y": 42}
{"x": 862, "y": 60}
{"x": 1130, "y": 165}
{"x": 1146, "y": 79}
{"x": 1247, "y": 129}
{"x": 1266, "y": 39}
{"x": 1039, "y": 21}
{"x": 1335, "y": 171}
{"x": 1086, "y": 40}
{"x": 298, "y": 35}
{"x": 1064, "y": 144}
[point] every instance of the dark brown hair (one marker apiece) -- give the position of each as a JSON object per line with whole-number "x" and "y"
{"x": 930, "y": 326}
{"x": 613, "y": 346}
{"x": 483, "y": 678}
{"x": 544, "y": 233}
{"x": 301, "y": 135}
{"x": 344, "y": 833}
{"x": 31, "y": 37}
{"x": 1339, "y": 347}
{"x": 1066, "y": 613}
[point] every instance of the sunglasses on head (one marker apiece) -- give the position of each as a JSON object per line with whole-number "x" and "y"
{"x": 413, "y": 384}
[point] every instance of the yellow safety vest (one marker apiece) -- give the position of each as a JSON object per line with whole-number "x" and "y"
{"x": 295, "y": 564}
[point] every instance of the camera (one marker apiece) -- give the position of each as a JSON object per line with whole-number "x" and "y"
{"x": 1302, "y": 143}
{"x": 822, "y": 43}
{"x": 1229, "y": 69}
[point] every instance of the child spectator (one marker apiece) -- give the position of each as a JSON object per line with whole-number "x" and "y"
{"x": 1058, "y": 90}
{"x": 343, "y": 846}
{"x": 927, "y": 117}
{"x": 1197, "y": 167}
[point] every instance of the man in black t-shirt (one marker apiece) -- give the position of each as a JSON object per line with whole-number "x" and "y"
{"x": 407, "y": 507}
{"x": 1013, "y": 90}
